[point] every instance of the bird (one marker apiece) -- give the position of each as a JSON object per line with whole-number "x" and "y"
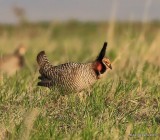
{"x": 11, "y": 63}
{"x": 72, "y": 77}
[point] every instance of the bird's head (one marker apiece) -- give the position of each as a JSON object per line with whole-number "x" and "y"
{"x": 102, "y": 63}
{"x": 21, "y": 50}
{"x": 107, "y": 63}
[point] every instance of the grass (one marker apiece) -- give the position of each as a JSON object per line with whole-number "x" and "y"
{"x": 125, "y": 103}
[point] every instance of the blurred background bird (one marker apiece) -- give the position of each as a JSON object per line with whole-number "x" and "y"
{"x": 11, "y": 63}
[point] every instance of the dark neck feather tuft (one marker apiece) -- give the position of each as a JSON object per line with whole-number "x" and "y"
{"x": 102, "y": 52}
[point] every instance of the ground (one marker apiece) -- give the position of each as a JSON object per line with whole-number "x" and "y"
{"x": 124, "y": 103}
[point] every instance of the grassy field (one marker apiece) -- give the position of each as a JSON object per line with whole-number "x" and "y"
{"x": 124, "y": 104}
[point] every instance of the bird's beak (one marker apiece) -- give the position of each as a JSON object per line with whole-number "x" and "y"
{"x": 110, "y": 66}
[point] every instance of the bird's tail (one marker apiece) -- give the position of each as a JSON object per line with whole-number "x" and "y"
{"x": 42, "y": 59}
{"x": 44, "y": 82}
{"x": 45, "y": 67}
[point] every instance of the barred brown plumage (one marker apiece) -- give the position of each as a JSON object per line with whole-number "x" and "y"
{"x": 71, "y": 77}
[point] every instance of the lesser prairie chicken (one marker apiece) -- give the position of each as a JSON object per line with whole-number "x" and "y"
{"x": 72, "y": 77}
{"x": 11, "y": 63}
